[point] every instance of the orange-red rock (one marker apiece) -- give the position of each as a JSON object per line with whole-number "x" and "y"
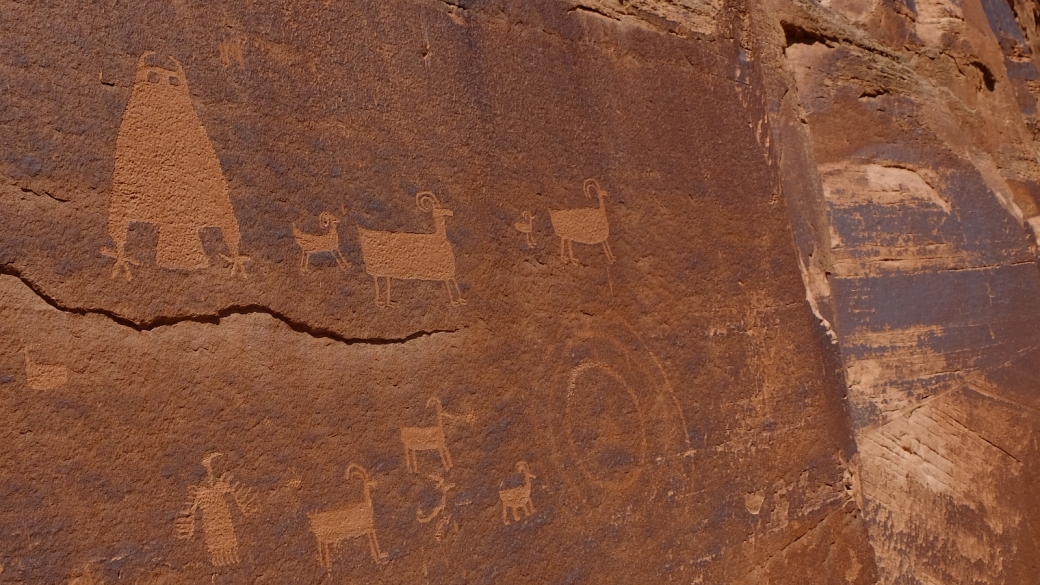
{"x": 518, "y": 292}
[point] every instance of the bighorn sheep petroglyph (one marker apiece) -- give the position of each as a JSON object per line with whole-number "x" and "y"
{"x": 334, "y": 526}
{"x": 426, "y": 439}
{"x": 518, "y": 499}
{"x": 587, "y": 225}
{"x": 316, "y": 243}
{"x": 410, "y": 256}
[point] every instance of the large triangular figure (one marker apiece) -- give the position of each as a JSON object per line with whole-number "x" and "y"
{"x": 167, "y": 174}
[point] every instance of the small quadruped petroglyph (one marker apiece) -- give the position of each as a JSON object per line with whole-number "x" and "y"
{"x": 518, "y": 499}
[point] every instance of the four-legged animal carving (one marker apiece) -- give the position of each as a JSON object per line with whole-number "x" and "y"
{"x": 408, "y": 256}
{"x": 315, "y": 243}
{"x": 333, "y": 526}
{"x": 519, "y": 498}
{"x": 585, "y": 225}
{"x": 426, "y": 439}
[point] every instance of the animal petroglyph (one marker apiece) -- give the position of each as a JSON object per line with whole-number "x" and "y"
{"x": 409, "y": 256}
{"x": 316, "y": 243}
{"x": 444, "y": 488}
{"x": 584, "y": 225}
{"x": 43, "y": 376}
{"x": 429, "y": 438}
{"x": 289, "y": 490}
{"x": 211, "y": 498}
{"x": 518, "y": 499}
{"x": 525, "y": 227}
{"x": 167, "y": 174}
{"x": 334, "y": 526}
{"x": 753, "y": 501}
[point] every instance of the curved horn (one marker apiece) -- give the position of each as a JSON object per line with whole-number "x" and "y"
{"x": 433, "y": 401}
{"x": 361, "y": 472}
{"x": 591, "y": 183}
{"x": 426, "y": 196}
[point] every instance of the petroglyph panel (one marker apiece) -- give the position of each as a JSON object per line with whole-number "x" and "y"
{"x": 599, "y": 365}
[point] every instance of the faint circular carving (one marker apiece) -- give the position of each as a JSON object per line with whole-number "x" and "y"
{"x": 604, "y": 423}
{"x": 617, "y": 430}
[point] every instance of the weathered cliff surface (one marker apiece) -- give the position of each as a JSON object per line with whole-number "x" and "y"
{"x": 919, "y": 251}
{"x": 517, "y": 292}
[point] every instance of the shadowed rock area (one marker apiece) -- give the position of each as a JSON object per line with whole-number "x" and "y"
{"x": 541, "y": 291}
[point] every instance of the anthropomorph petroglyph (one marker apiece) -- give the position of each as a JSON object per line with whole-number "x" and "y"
{"x": 43, "y": 376}
{"x": 525, "y": 227}
{"x": 584, "y": 225}
{"x": 518, "y": 499}
{"x": 316, "y": 243}
{"x": 444, "y": 488}
{"x": 408, "y": 256}
{"x": 211, "y": 498}
{"x": 429, "y": 438}
{"x": 440, "y": 510}
{"x": 331, "y": 527}
{"x": 167, "y": 174}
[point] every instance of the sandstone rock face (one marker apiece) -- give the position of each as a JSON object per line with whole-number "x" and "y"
{"x": 424, "y": 291}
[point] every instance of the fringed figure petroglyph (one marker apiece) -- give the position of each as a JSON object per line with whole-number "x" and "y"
{"x": 334, "y": 526}
{"x": 211, "y": 498}
{"x": 518, "y": 499}
{"x": 426, "y": 439}
{"x": 410, "y": 256}
{"x": 526, "y": 227}
{"x": 167, "y": 174}
{"x": 585, "y": 225}
{"x": 316, "y": 243}
{"x": 43, "y": 376}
